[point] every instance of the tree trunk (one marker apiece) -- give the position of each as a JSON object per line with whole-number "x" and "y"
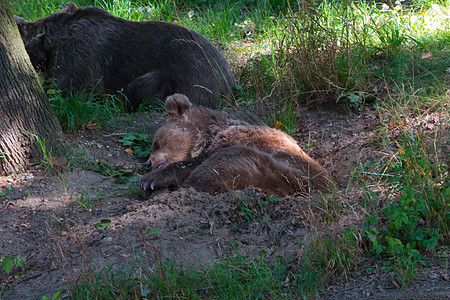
{"x": 24, "y": 107}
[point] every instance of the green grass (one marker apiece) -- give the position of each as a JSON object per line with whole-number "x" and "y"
{"x": 82, "y": 107}
{"x": 324, "y": 51}
{"x": 236, "y": 277}
{"x": 394, "y": 58}
{"x": 49, "y": 154}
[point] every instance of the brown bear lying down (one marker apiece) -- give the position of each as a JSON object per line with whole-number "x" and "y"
{"x": 215, "y": 152}
{"x": 89, "y": 46}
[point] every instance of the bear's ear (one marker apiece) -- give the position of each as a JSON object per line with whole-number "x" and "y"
{"x": 69, "y": 7}
{"x": 22, "y": 25}
{"x": 21, "y": 21}
{"x": 177, "y": 105}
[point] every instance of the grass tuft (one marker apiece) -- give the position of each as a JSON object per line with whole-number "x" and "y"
{"x": 80, "y": 108}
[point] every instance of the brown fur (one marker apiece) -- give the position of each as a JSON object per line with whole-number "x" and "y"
{"x": 215, "y": 152}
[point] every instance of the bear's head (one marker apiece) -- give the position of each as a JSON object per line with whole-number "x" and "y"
{"x": 38, "y": 36}
{"x": 176, "y": 139}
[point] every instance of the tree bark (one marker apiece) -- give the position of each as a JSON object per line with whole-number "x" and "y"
{"x": 24, "y": 107}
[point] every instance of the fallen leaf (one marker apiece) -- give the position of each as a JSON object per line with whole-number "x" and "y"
{"x": 445, "y": 276}
{"x": 433, "y": 275}
{"x": 129, "y": 151}
{"x": 91, "y": 126}
{"x": 426, "y": 55}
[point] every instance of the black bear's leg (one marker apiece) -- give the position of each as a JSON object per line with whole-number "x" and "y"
{"x": 147, "y": 86}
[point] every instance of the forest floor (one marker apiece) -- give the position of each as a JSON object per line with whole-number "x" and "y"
{"x": 48, "y": 219}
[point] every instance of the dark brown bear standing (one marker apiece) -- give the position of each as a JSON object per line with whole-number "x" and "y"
{"x": 215, "y": 152}
{"x": 89, "y": 46}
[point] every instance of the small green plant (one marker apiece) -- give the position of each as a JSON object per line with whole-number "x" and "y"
{"x": 8, "y": 263}
{"x": 444, "y": 255}
{"x": 103, "y": 224}
{"x": 49, "y": 160}
{"x": 244, "y": 212}
{"x": 63, "y": 182}
{"x": 85, "y": 200}
{"x": 6, "y": 193}
{"x": 134, "y": 191}
{"x": 153, "y": 231}
{"x": 286, "y": 118}
{"x": 335, "y": 245}
{"x": 121, "y": 174}
{"x": 61, "y": 224}
{"x": 416, "y": 216}
{"x": 336, "y": 251}
{"x": 54, "y": 297}
{"x": 248, "y": 210}
{"x": 310, "y": 279}
{"x": 140, "y": 143}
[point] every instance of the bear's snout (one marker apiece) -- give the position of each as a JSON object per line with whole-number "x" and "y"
{"x": 152, "y": 164}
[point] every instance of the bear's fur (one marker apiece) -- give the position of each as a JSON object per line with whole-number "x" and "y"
{"x": 215, "y": 152}
{"x": 89, "y": 46}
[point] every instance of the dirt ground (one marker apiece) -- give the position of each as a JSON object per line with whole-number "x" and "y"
{"x": 48, "y": 220}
